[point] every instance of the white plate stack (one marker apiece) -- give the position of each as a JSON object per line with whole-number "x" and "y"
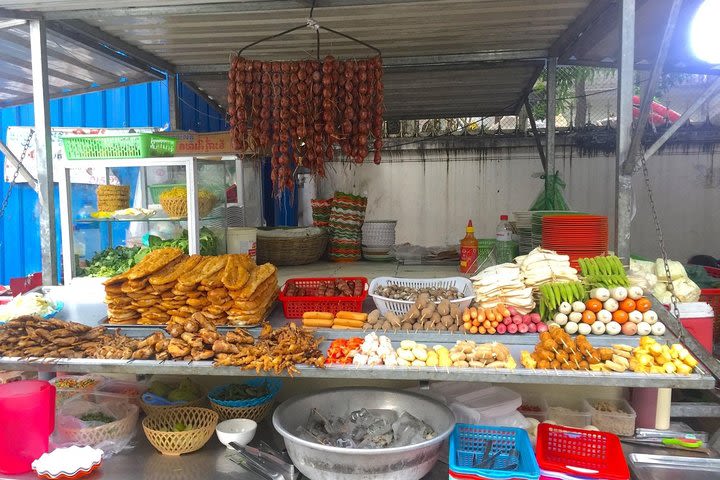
{"x": 378, "y": 237}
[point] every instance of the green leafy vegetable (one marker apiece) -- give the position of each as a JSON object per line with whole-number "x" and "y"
{"x": 115, "y": 261}
{"x": 97, "y": 417}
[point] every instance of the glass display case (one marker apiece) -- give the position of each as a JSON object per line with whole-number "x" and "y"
{"x": 142, "y": 204}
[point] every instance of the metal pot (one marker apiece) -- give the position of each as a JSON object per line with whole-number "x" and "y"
{"x": 320, "y": 462}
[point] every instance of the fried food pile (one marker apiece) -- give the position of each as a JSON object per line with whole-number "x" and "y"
{"x": 170, "y": 286}
{"x": 30, "y": 336}
{"x": 193, "y": 339}
{"x": 276, "y": 350}
{"x": 557, "y": 350}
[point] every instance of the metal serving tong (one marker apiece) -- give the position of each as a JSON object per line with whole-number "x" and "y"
{"x": 267, "y": 465}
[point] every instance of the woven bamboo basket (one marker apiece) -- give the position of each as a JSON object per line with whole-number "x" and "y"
{"x": 290, "y": 250}
{"x": 176, "y": 206}
{"x": 257, "y": 413}
{"x": 158, "y": 409}
{"x": 202, "y": 420}
{"x": 94, "y": 436}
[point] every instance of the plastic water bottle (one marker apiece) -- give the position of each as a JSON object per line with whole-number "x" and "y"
{"x": 505, "y": 247}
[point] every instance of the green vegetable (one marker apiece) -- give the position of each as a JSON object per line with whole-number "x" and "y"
{"x": 114, "y": 261}
{"x": 97, "y": 417}
{"x": 111, "y": 262}
{"x": 242, "y": 392}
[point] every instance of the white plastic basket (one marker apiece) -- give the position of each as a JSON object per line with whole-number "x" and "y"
{"x": 378, "y": 233}
{"x": 400, "y": 307}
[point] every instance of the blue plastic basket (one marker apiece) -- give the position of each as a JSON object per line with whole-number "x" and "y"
{"x": 273, "y": 385}
{"x": 467, "y": 442}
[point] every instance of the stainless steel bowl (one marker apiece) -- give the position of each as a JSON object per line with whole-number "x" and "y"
{"x": 320, "y": 462}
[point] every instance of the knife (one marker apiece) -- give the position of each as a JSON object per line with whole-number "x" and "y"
{"x": 688, "y": 445}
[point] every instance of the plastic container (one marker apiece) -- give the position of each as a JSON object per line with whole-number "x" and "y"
{"x": 698, "y": 318}
{"x": 133, "y": 145}
{"x": 70, "y": 385}
{"x": 535, "y": 407}
{"x": 378, "y": 233}
{"x": 620, "y": 423}
{"x": 569, "y": 417}
{"x": 242, "y": 240}
{"x": 294, "y": 307}
{"x": 712, "y": 297}
{"x": 158, "y": 188}
{"x": 401, "y": 307}
{"x": 132, "y": 390}
{"x": 588, "y": 454}
{"x": 487, "y": 406}
{"x": 467, "y": 442}
{"x": 27, "y": 417}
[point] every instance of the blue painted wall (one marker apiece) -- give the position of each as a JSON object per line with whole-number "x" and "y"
{"x": 144, "y": 105}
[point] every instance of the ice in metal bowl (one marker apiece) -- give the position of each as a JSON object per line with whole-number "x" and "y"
{"x": 321, "y": 462}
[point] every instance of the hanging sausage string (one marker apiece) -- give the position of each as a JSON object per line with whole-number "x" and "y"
{"x": 301, "y": 110}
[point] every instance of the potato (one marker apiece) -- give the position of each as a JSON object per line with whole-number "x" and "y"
{"x": 439, "y": 327}
{"x": 428, "y": 325}
{"x": 435, "y": 317}
{"x": 444, "y": 307}
{"x": 461, "y": 364}
{"x": 373, "y": 317}
{"x": 447, "y": 320}
{"x": 417, "y": 326}
{"x": 367, "y": 325}
{"x": 411, "y": 314}
{"x": 406, "y": 326}
{"x": 386, "y": 325}
{"x": 454, "y": 311}
{"x": 453, "y": 328}
{"x": 424, "y": 298}
{"x": 394, "y": 320}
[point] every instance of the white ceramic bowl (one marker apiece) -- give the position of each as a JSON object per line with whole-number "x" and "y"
{"x": 238, "y": 430}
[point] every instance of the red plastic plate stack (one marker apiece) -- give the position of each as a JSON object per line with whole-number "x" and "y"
{"x": 579, "y": 236}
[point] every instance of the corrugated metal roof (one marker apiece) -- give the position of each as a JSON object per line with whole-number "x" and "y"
{"x": 73, "y": 67}
{"x": 458, "y": 36}
{"x": 193, "y": 35}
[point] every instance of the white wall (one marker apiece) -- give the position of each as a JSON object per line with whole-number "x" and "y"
{"x": 433, "y": 188}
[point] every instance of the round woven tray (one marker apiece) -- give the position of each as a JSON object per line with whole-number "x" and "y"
{"x": 93, "y": 436}
{"x": 284, "y": 251}
{"x": 158, "y": 409}
{"x": 203, "y": 421}
{"x": 257, "y": 413}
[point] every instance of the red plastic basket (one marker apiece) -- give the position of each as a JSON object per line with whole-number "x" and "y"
{"x": 585, "y": 453}
{"x": 294, "y": 307}
{"x": 712, "y": 296}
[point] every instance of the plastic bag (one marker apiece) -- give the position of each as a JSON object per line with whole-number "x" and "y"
{"x": 551, "y": 197}
{"x": 685, "y": 290}
{"x": 640, "y": 277}
{"x": 677, "y": 270}
{"x": 103, "y": 421}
